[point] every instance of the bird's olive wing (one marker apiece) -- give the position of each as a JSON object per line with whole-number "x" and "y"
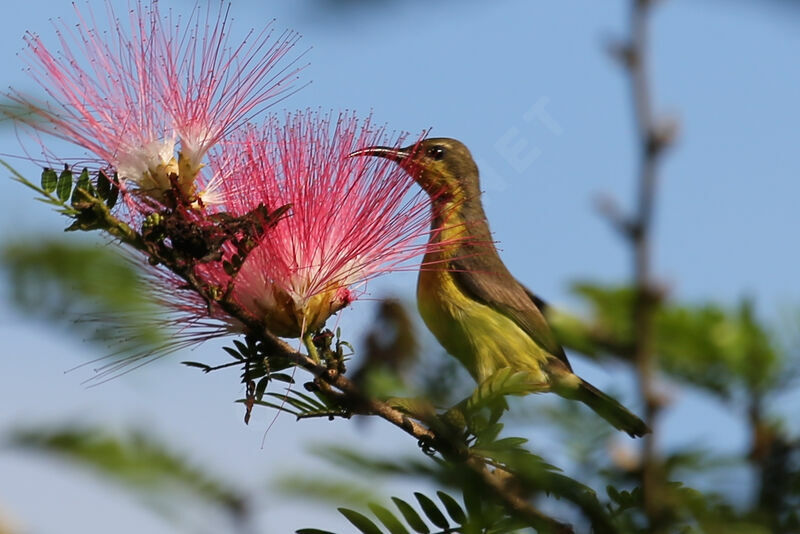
{"x": 538, "y": 301}
{"x": 494, "y": 286}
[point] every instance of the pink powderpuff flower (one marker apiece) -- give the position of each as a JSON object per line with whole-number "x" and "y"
{"x": 350, "y": 219}
{"x": 134, "y": 93}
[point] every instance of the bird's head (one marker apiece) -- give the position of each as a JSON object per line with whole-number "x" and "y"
{"x": 443, "y": 167}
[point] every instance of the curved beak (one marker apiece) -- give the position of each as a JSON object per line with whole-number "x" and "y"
{"x": 398, "y": 155}
{"x": 408, "y": 158}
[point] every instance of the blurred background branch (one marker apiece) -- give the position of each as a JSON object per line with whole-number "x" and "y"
{"x": 159, "y": 477}
{"x": 653, "y": 137}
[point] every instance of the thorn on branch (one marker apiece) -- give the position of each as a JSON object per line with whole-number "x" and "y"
{"x": 662, "y": 135}
{"x": 607, "y": 207}
{"x": 623, "y": 53}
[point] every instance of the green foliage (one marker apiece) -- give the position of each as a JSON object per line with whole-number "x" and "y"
{"x": 83, "y": 199}
{"x": 718, "y": 349}
{"x": 690, "y": 511}
{"x": 388, "y": 519}
{"x": 736, "y": 338}
{"x": 64, "y": 184}
{"x": 505, "y": 455}
{"x": 137, "y": 462}
{"x": 478, "y": 414}
{"x": 71, "y": 272}
{"x": 334, "y": 490}
{"x": 707, "y": 345}
{"x": 304, "y": 406}
{"x": 726, "y": 351}
{"x": 443, "y": 515}
{"x": 49, "y": 180}
{"x": 322, "y": 401}
{"x": 777, "y": 457}
{"x": 500, "y": 384}
{"x": 352, "y": 461}
{"x": 89, "y": 288}
{"x": 490, "y": 396}
{"x": 259, "y": 367}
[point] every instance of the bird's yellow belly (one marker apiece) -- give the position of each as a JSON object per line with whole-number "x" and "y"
{"x": 483, "y": 339}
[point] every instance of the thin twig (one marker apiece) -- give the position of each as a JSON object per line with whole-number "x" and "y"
{"x": 541, "y": 522}
{"x": 653, "y": 139}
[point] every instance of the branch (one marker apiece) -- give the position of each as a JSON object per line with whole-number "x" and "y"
{"x": 653, "y": 139}
{"x": 160, "y": 241}
{"x": 499, "y": 484}
{"x": 425, "y": 436}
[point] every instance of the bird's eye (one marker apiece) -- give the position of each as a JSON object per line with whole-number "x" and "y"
{"x": 436, "y": 152}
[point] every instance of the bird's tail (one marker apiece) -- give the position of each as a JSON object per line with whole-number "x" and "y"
{"x": 606, "y": 407}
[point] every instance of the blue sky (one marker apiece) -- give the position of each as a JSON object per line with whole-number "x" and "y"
{"x": 494, "y": 75}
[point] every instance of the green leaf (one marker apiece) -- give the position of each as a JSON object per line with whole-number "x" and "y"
{"x": 261, "y": 387}
{"x": 199, "y": 365}
{"x": 49, "y": 180}
{"x": 64, "y": 186}
{"x": 353, "y": 461}
{"x": 282, "y": 377}
{"x": 103, "y": 185}
{"x": 82, "y": 183}
{"x": 432, "y": 511}
{"x": 333, "y": 490}
{"x": 507, "y": 525}
{"x": 243, "y": 349}
{"x": 489, "y": 434}
{"x": 411, "y": 516}
{"x": 473, "y": 501}
{"x": 715, "y": 347}
{"x": 625, "y": 499}
{"x": 388, "y": 519}
{"x": 505, "y": 444}
{"x": 233, "y": 352}
{"x": 613, "y": 493}
{"x": 452, "y": 507}
{"x": 503, "y": 382}
{"x": 295, "y": 402}
{"x": 305, "y": 405}
{"x": 114, "y": 193}
{"x": 312, "y": 531}
{"x": 360, "y": 521}
{"x": 534, "y": 472}
{"x": 282, "y": 407}
{"x": 318, "y": 400}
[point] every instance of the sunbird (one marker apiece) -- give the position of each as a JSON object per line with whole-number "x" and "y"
{"x": 466, "y": 295}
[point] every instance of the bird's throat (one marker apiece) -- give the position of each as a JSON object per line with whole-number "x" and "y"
{"x": 458, "y": 220}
